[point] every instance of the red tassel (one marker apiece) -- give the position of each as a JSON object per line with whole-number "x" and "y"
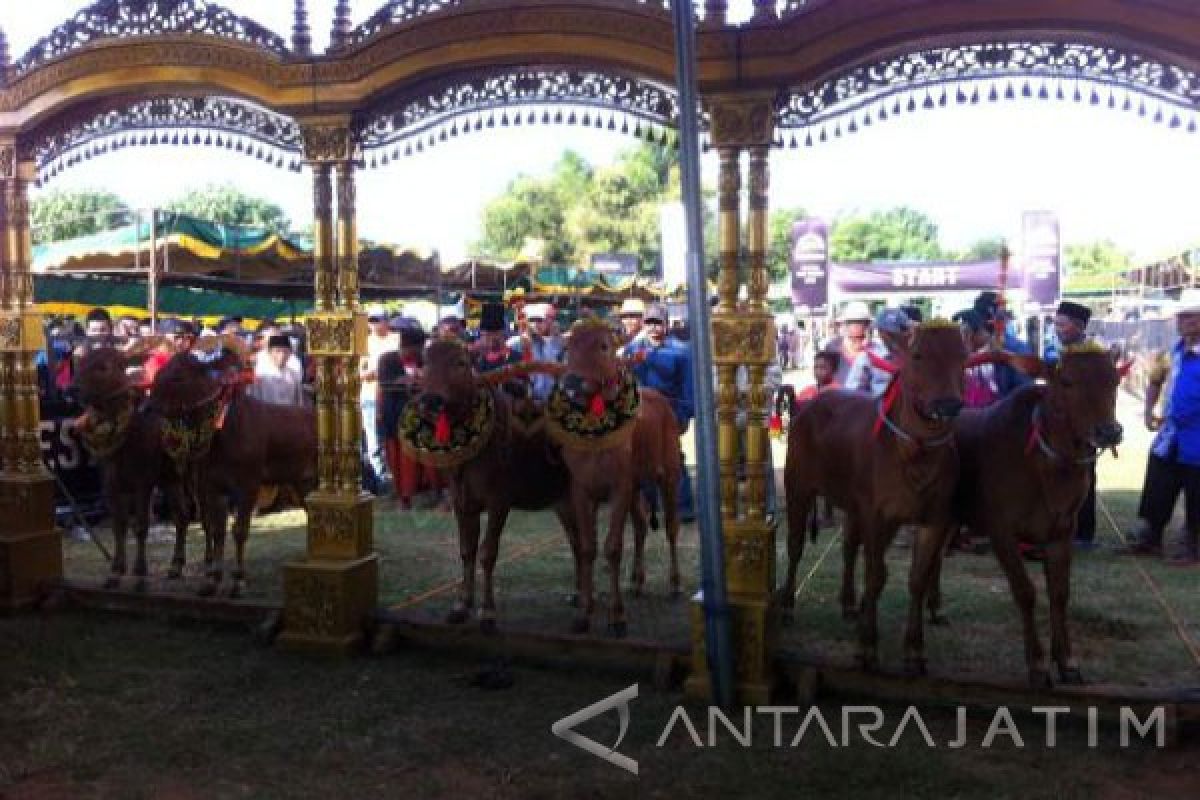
{"x": 776, "y": 423}
{"x": 597, "y": 407}
{"x": 441, "y": 429}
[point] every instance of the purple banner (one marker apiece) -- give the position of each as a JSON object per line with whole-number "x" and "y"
{"x": 920, "y": 277}
{"x": 810, "y": 267}
{"x": 1041, "y": 240}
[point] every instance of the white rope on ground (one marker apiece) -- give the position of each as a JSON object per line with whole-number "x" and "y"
{"x": 832, "y": 541}
{"x": 1180, "y": 629}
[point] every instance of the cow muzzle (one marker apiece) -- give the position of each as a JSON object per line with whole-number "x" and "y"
{"x": 1109, "y": 434}
{"x": 945, "y": 408}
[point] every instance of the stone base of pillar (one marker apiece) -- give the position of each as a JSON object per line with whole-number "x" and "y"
{"x": 752, "y": 627}
{"x": 327, "y": 603}
{"x": 30, "y": 546}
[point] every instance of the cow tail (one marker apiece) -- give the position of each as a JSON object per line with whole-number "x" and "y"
{"x": 814, "y": 524}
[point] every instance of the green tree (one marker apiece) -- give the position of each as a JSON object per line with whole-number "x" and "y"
{"x": 986, "y": 249}
{"x": 58, "y": 215}
{"x": 895, "y": 234}
{"x": 1092, "y": 265}
{"x": 779, "y": 241}
{"x": 228, "y": 205}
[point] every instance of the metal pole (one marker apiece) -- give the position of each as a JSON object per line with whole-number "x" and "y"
{"x": 152, "y": 282}
{"x": 712, "y": 548}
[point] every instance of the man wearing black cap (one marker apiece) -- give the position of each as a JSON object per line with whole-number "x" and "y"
{"x": 1070, "y": 329}
{"x": 1008, "y": 378}
{"x": 274, "y": 380}
{"x": 492, "y": 352}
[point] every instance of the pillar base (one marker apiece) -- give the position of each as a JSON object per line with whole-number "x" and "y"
{"x": 30, "y": 545}
{"x": 752, "y": 629}
{"x": 326, "y": 604}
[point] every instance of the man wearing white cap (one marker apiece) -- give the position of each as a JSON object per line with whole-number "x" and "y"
{"x": 545, "y": 343}
{"x": 380, "y": 340}
{"x": 1174, "y": 461}
{"x": 892, "y": 327}
{"x": 854, "y": 331}
{"x": 632, "y": 314}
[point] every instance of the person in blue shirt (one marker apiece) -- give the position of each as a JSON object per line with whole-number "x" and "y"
{"x": 1008, "y": 378}
{"x": 1173, "y": 464}
{"x": 667, "y": 368}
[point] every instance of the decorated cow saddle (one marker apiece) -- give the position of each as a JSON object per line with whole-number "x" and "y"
{"x": 439, "y": 443}
{"x": 590, "y": 423}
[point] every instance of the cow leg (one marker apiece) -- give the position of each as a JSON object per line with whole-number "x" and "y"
{"x": 468, "y": 548}
{"x": 488, "y": 555}
{"x": 566, "y": 517}
{"x": 1024, "y": 595}
{"x": 614, "y": 544}
{"x": 241, "y": 533}
{"x": 1058, "y": 588}
{"x": 927, "y": 554}
{"x": 216, "y": 516}
{"x": 669, "y": 489}
{"x": 799, "y": 506}
{"x": 585, "y": 519}
{"x": 177, "y": 505}
{"x": 141, "y": 529}
{"x": 120, "y": 523}
{"x": 933, "y": 587}
{"x": 851, "y": 544}
{"x": 637, "y": 514}
{"x": 875, "y": 542}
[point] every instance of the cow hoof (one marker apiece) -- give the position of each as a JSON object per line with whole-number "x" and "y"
{"x": 580, "y": 625}
{"x": 1040, "y": 679}
{"x": 112, "y": 581}
{"x": 849, "y": 613}
{"x": 488, "y": 626}
{"x": 457, "y": 616}
{"x": 235, "y": 590}
{"x": 787, "y": 615}
{"x": 141, "y": 585}
{"x": 938, "y": 619}
{"x": 572, "y": 600}
{"x": 1070, "y": 675}
{"x": 174, "y": 573}
{"x": 676, "y": 594}
{"x": 915, "y": 667}
{"x": 636, "y": 590}
{"x": 617, "y": 630}
{"x": 208, "y": 589}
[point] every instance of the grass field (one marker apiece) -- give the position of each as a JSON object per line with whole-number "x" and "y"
{"x": 105, "y": 706}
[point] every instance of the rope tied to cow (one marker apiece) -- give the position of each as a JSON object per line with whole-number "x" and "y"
{"x": 1037, "y": 438}
{"x": 885, "y": 404}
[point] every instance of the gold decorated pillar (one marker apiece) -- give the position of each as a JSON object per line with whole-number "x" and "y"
{"x": 329, "y": 595}
{"x": 743, "y": 336}
{"x": 30, "y": 545}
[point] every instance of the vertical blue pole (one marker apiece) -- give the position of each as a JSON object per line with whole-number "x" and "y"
{"x": 712, "y": 550}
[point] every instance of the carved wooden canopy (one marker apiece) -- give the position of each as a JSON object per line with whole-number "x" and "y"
{"x": 415, "y": 73}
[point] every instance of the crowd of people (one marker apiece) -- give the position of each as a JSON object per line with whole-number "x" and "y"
{"x": 659, "y": 348}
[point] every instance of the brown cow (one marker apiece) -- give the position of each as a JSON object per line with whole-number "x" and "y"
{"x": 491, "y": 463}
{"x": 642, "y": 449}
{"x": 235, "y": 444}
{"x": 885, "y": 462}
{"x": 1025, "y": 472}
{"x": 126, "y": 436}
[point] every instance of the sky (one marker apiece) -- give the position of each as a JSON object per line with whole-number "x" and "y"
{"x": 974, "y": 169}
